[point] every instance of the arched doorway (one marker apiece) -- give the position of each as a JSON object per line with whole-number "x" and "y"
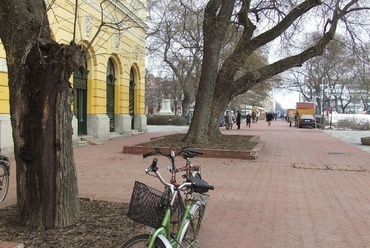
{"x": 80, "y": 102}
{"x": 110, "y": 94}
{"x": 132, "y": 97}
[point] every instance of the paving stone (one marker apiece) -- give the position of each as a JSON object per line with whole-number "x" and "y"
{"x": 306, "y": 189}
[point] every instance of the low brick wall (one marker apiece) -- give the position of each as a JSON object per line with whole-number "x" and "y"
{"x": 208, "y": 153}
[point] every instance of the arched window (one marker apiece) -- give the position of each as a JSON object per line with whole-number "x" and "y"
{"x": 110, "y": 94}
{"x": 132, "y": 97}
{"x": 80, "y": 103}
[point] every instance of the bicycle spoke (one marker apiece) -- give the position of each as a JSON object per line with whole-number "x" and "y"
{"x": 4, "y": 180}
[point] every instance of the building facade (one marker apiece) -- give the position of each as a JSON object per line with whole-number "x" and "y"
{"x": 109, "y": 86}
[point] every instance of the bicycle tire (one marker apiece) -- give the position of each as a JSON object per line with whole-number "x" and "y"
{"x": 141, "y": 241}
{"x": 192, "y": 225}
{"x": 4, "y": 180}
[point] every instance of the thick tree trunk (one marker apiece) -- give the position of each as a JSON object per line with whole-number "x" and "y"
{"x": 216, "y": 21}
{"x": 40, "y": 108}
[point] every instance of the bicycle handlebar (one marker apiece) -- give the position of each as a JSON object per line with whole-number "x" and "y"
{"x": 197, "y": 184}
{"x": 153, "y": 167}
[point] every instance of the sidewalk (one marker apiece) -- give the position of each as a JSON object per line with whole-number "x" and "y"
{"x": 307, "y": 189}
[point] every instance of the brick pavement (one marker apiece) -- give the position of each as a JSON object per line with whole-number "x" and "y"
{"x": 307, "y": 189}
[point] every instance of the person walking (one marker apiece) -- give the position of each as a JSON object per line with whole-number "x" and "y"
{"x": 258, "y": 115}
{"x": 238, "y": 119}
{"x": 296, "y": 119}
{"x": 227, "y": 120}
{"x": 249, "y": 119}
{"x": 231, "y": 119}
{"x": 269, "y": 118}
{"x": 254, "y": 117}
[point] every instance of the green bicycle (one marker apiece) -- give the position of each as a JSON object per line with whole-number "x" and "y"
{"x": 168, "y": 210}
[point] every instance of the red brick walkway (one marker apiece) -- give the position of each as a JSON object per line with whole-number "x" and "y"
{"x": 307, "y": 189}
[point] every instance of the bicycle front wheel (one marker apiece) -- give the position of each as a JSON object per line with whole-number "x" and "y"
{"x": 4, "y": 180}
{"x": 141, "y": 241}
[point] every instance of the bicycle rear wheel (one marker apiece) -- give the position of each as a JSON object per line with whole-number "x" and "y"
{"x": 192, "y": 225}
{"x": 141, "y": 241}
{"x": 4, "y": 180}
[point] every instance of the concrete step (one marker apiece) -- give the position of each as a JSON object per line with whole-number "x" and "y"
{"x": 115, "y": 135}
{"x": 136, "y": 132}
{"x": 91, "y": 140}
{"x": 82, "y": 143}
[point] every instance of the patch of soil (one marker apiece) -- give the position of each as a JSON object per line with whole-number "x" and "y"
{"x": 101, "y": 224}
{"x": 227, "y": 142}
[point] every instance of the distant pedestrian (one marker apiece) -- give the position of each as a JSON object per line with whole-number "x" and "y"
{"x": 238, "y": 119}
{"x": 227, "y": 120}
{"x": 296, "y": 119}
{"x": 231, "y": 119}
{"x": 248, "y": 119}
{"x": 258, "y": 115}
{"x": 254, "y": 117}
{"x": 269, "y": 118}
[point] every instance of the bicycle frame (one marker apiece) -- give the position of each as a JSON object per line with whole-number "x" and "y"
{"x": 165, "y": 228}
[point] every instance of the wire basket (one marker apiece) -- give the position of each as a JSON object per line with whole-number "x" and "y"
{"x": 147, "y": 205}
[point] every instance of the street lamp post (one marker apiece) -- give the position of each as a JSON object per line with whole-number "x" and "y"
{"x": 331, "y": 109}
{"x": 176, "y": 102}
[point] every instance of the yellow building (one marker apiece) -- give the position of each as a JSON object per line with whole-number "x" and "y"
{"x": 109, "y": 87}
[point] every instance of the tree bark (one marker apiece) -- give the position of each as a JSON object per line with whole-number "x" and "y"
{"x": 40, "y": 107}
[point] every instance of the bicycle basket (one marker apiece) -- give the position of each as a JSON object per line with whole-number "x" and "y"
{"x": 147, "y": 205}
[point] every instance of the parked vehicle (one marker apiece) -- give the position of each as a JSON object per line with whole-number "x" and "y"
{"x": 307, "y": 121}
{"x": 305, "y": 108}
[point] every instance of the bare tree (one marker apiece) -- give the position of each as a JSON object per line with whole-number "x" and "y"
{"x": 326, "y": 76}
{"x": 362, "y": 72}
{"x": 261, "y": 23}
{"x": 175, "y": 36}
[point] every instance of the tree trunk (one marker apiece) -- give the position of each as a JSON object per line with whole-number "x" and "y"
{"x": 214, "y": 29}
{"x": 41, "y": 117}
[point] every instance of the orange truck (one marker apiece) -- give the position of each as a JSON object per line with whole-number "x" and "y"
{"x": 305, "y": 108}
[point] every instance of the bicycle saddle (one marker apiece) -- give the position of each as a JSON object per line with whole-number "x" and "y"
{"x": 199, "y": 185}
